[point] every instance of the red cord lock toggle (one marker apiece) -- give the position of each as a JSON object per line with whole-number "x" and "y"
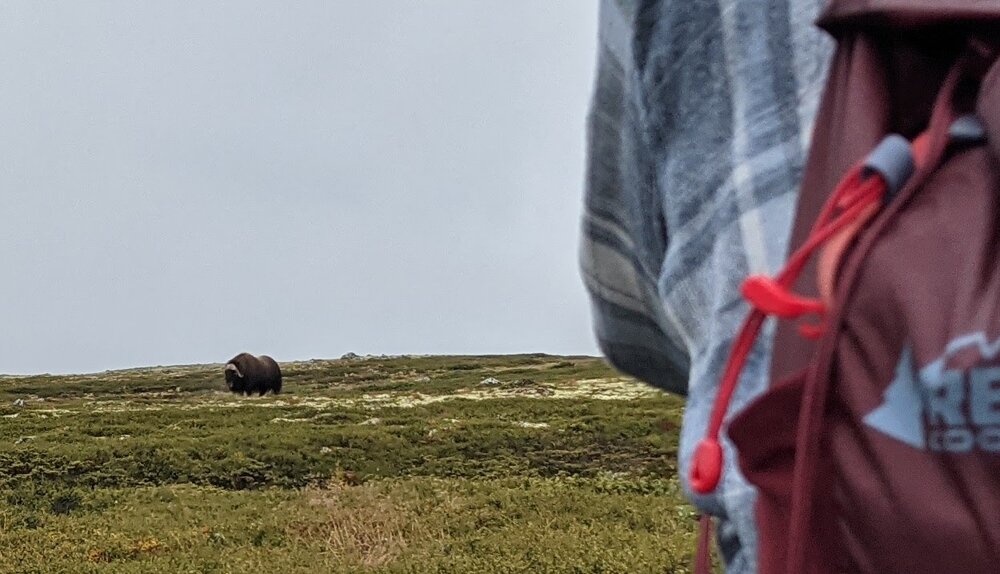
{"x": 773, "y": 299}
{"x": 706, "y": 468}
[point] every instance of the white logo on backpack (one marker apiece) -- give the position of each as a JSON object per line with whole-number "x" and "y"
{"x": 940, "y": 409}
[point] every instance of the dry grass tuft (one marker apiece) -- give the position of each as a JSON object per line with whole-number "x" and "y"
{"x": 118, "y": 550}
{"x": 360, "y": 523}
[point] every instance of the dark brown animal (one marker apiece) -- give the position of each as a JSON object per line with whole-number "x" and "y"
{"x": 247, "y": 374}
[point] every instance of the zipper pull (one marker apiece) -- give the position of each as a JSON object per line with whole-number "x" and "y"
{"x": 706, "y": 468}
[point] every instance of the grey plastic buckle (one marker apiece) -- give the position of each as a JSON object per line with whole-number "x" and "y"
{"x": 967, "y": 130}
{"x": 893, "y": 160}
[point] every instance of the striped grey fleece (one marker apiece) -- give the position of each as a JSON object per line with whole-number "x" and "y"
{"x": 698, "y": 131}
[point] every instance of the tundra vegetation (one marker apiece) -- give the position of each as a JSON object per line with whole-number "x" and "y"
{"x": 381, "y": 465}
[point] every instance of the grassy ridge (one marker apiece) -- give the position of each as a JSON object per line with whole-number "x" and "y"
{"x": 377, "y": 465}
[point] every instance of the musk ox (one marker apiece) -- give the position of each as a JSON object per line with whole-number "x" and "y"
{"x": 248, "y": 374}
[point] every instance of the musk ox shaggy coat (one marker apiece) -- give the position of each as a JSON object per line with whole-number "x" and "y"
{"x": 247, "y": 374}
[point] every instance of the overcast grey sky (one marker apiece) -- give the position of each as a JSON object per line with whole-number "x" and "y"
{"x": 182, "y": 181}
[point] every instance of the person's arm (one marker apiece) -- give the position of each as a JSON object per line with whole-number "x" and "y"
{"x": 624, "y": 234}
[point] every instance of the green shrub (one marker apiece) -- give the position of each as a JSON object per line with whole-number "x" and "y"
{"x": 122, "y": 472}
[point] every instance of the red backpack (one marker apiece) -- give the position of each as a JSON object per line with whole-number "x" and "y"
{"x": 877, "y": 449}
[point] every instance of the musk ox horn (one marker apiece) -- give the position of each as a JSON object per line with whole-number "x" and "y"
{"x": 232, "y": 367}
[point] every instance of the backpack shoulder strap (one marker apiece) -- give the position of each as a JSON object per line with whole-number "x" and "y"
{"x": 881, "y": 44}
{"x": 900, "y": 13}
{"x": 988, "y": 107}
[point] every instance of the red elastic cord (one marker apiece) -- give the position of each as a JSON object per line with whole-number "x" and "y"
{"x": 855, "y": 194}
{"x": 703, "y": 558}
